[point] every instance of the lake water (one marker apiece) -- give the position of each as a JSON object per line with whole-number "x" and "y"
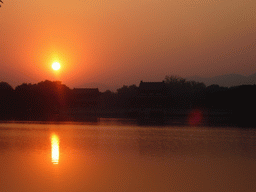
{"x": 116, "y": 155}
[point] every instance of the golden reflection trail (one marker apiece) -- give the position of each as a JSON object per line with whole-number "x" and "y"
{"x": 55, "y": 149}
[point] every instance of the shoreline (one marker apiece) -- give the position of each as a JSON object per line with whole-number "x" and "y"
{"x": 179, "y": 117}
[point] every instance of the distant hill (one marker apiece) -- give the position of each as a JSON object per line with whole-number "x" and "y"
{"x": 226, "y": 80}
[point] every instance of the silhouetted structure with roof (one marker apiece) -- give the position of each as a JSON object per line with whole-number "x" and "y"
{"x": 151, "y": 102}
{"x": 152, "y": 95}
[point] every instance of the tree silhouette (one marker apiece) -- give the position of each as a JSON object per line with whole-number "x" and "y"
{"x": 184, "y": 94}
{"x": 41, "y": 101}
{"x": 7, "y": 100}
{"x": 127, "y": 96}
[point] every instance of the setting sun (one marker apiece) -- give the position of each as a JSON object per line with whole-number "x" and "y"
{"x": 56, "y": 66}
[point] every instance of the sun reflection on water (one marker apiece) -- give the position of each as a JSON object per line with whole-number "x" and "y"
{"x": 55, "y": 149}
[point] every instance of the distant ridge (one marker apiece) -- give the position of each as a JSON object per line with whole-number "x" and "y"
{"x": 228, "y": 80}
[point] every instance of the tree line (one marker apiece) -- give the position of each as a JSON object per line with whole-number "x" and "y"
{"x": 237, "y": 104}
{"x": 33, "y": 101}
{"x": 47, "y": 99}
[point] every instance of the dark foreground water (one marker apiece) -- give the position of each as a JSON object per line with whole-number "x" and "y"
{"x": 121, "y": 156}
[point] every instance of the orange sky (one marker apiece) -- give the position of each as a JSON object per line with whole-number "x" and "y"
{"x": 122, "y": 42}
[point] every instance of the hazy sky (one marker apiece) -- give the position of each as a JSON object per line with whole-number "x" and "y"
{"x": 124, "y": 41}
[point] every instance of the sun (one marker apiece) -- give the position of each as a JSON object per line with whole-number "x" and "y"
{"x": 56, "y": 66}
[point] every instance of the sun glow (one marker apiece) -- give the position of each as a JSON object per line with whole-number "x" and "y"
{"x": 55, "y": 149}
{"x": 56, "y": 66}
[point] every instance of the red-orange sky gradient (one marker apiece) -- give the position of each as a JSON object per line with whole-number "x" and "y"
{"x": 123, "y": 42}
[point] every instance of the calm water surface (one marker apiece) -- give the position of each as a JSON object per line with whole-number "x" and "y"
{"x": 114, "y": 155}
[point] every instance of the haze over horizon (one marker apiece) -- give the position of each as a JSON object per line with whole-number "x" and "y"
{"x": 123, "y": 42}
